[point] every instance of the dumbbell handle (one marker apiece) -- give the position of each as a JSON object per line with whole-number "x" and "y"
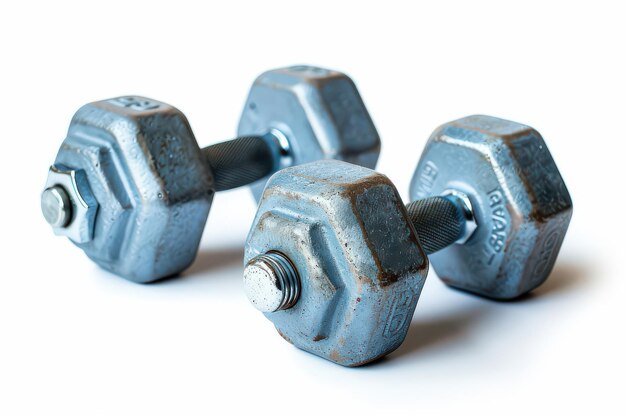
{"x": 440, "y": 221}
{"x": 241, "y": 161}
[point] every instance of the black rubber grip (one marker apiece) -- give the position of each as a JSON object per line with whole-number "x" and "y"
{"x": 438, "y": 222}
{"x": 239, "y": 161}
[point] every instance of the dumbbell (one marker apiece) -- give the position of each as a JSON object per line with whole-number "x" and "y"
{"x": 132, "y": 189}
{"x": 337, "y": 262}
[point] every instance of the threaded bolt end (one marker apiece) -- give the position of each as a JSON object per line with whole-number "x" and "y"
{"x": 56, "y": 206}
{"x": 271, "y": 282}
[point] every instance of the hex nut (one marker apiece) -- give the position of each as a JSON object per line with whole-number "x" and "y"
{"x": 68, "y": 203}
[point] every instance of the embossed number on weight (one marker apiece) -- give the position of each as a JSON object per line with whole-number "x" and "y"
{"x": 426, "y": 179}
{"x": 134, "y": 103}
{"x": 398, "y": 314}
{"x": 547, "y": 253}
{"x": 499, "y": 223}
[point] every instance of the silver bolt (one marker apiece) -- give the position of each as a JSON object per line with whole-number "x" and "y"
{"x": 68, "y": 204}
{"x": 56, "y": 206}
{"x": 271, "y": 282}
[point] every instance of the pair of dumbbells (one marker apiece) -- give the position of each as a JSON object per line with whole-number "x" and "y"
{"x": 337, "y": 261}
{"x": 333, "y": 258}
{"x": 132, "y": 189}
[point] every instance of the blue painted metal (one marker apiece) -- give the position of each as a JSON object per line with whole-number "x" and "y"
{"x": 357, "y": 249}
{"x": 152, "y": 185}
{"x": 153, "y": 188}
{"x": 320, "y": 113}
{"x": 361, "y": 267}
{"x": 520, "y": 201}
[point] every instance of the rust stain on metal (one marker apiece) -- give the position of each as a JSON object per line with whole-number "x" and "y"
{"x": 370, "y": 361}
{"x": 384, "y": 277}
{"x": 335, "y": 356}
{"x": 262, "y": 220}
{"x": 509, "y": 137}
{"x": 353, "y": 192}
{"x": 284, "y": 337}
{"x": 289, "y": 195}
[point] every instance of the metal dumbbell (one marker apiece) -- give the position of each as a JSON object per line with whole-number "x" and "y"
{"x": 131, "y": 187}
{"x": 337, "y": 262}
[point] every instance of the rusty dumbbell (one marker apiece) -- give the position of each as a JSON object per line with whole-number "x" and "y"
{"x": 337, "y": 261}
{"x": 132, "y": 189}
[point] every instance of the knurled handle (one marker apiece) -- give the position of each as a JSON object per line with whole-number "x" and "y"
{"x": 438, "y": 221}
{"x": 239, "y": 161}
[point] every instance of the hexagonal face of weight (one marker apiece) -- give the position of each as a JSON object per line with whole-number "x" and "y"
{"x": 521, "y": 204}
{"x": 361, "y": 268}
{"x": 320, "y": 113}
{"x": 151, "y": 184}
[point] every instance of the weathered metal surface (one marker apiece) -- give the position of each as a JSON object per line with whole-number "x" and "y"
{"x": 520, "y": 202}
{"x": 360, "y": 265}
{"x": 318, "y": 111}
{"x": 154, "y": 186}
{"x": 151, "y": 184}
{"x": 75, "y": 210}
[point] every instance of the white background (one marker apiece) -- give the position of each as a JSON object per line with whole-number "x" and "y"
{"x": 77, "y": 341}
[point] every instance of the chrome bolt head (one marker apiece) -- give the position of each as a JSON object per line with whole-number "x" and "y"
{"x": 56, "y": 206}
{"x": 271, "y": 282}
{"x": 68, "y": 204}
